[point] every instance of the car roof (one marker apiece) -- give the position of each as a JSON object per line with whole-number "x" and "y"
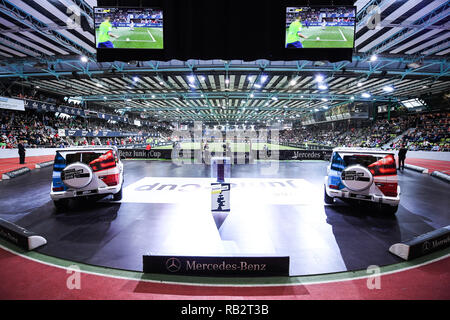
{"x": 362, "y": 150}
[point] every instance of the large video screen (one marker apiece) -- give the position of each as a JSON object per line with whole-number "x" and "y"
{"x": 320, "y": 27}
{"x": 128, "y": 28}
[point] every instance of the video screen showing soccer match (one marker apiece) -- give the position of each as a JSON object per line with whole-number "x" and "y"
{"x": 129, "y": 28}
{"x": 320, "y": 27}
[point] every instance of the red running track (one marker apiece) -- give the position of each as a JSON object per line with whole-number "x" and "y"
{"x": 22, "y": 278}
{"x": 10, "y": 164}
{"x": 431, "y": 165}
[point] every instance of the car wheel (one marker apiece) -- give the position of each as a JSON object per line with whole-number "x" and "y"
{"x": 61, "y": 204}
{"x": 327, "y": 199}
{"x": 118, "y": 196}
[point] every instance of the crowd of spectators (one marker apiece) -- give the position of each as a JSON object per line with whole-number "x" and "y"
{"x": 426, "y": 131}
{"x": 40, "y": 129}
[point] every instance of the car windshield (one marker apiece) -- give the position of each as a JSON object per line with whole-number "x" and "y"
{"x": 84, "y": 157}
{"x": 363, "y": 160}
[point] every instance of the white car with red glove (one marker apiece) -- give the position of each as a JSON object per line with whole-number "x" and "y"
{"x": 363, "y": 174}
{"x": 86, "y": 172}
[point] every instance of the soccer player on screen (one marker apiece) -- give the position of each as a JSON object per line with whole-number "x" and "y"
{"x": 104, "y": 36}
{"x": 294, "y": 35}
{"x": 131, "y": 25}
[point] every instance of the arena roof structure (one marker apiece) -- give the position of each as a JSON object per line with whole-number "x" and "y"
{"x": 404, "y": 56}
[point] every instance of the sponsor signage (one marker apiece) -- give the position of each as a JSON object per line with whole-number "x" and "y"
{"x": 20, "y": 236}
{"x": 246, "y": 157}
{"x": 145, "y": 154}
{"x": 217, "y": 266}
{"x": 12, "y": 104}
{"x": 427, "y": 243}
{"x": 15, "y": 173}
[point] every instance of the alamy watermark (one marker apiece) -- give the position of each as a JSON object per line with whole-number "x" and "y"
{"x": 199, "y": 144}
{"x": 374, "y": 280}
{"x": 73, "y": 281}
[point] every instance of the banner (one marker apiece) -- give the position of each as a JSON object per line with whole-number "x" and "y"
{"x": 105, "y": 134}
{"x": 217, "y": 266}
{"x": 51, "y": 107}
{"x": 12, "y": 104}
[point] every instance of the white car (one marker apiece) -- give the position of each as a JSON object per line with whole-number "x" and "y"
{"x": 86, "y": 172}
{"x": 363, "y": 174}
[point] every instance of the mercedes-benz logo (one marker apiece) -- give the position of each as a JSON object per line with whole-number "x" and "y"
{"x": 173, "y": 265}
{"x": 426, "y": 246}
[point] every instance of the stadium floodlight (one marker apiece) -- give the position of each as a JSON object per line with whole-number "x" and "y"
{"x": 365, "y": 95}
{"x": 104, "y": 98}
{"x": 352, "y": 98}
{"x": 37, "y": 87}
{"x": 373, "y": 58}
{"x": 293, "y": 82}
{"x": 388, "y": 88}
{"x": 84, "y": 59}
{"x": 324, "y": 99}
{"x": 135, "y": 79}
{"x": 258, "y": 86}
{"x": 263, "y": 78}
{"x": 319, "y": 78}
{"x": 227, "y": 81}
{"x": 359, "y": 84}
{"x": 251, "y": 95}
{"x": 322, "y": 87}
{"x": 301, "y": 96}
{"x": 316, "y": 110}
{"x": 153, "y": 96}
{"x": 250, "y": 78}
{"x": 202, "y": 78}
{"x": 98, "y": 84}
{"x": 191, "y": 79}
{"x": 274, "y": 98}
{"x": 192, "y": 86}
{"x": 128, "y": 100}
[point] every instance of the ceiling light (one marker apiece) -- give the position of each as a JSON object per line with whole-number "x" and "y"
{"x": 322, "y": 87}
{"x": 324, "y": 99}
{"x": 274, "y": 98}
{"x": 135, "y": 79}
{"x": 352, "y": 98}
{"x": 98, "y": 84}
{"x": 373, "y": 57}
{"x": 227, "y": 81}
{"x": 319, "y": 78}
{"x": 365, "y": 95}
{"x": 388, "y": 88}
{"x": 257, "y": 86}
{"x": 263, "y": 78}
{"x": 293, "y": 82}
{"x": 84, "y": 59}
{"x": 252, "y": 95}
{"x": 191, "y": 79}
{"x": 359, "y": 84}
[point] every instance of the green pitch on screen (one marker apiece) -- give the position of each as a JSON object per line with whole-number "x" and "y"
{"x": 139, "y": 38}
{"x": 331, "y": 37}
